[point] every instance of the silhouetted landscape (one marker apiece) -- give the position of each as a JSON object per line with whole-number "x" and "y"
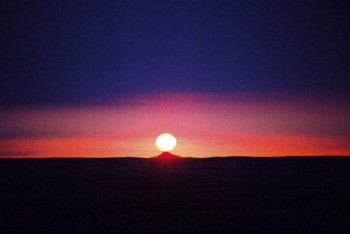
{"x": 132, "y": 195}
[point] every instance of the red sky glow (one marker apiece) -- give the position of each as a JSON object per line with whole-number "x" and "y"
{"x": 204, "y": 124}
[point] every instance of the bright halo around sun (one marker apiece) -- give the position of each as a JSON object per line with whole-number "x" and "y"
{"x": 166, "y": 142}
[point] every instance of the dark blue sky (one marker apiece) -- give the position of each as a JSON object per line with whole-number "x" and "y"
{"x": 60, "y": 52}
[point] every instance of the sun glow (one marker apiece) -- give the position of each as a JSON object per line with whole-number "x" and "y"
{"x": 166, "y": 142}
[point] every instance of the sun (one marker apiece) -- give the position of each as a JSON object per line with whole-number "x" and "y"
{"x": 166, "y": 142}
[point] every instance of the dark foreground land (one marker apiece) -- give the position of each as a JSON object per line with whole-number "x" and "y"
{"x": 218, "y": 195}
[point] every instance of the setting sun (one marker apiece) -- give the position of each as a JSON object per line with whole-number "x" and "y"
{"x": 166, "y": 142}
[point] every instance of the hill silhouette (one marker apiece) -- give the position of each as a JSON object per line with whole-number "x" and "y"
{"x": 209, "y": 195}
{"x": 167, "y": 156}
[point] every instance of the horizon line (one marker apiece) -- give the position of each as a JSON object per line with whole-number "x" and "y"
{"x": 180, "y": 157}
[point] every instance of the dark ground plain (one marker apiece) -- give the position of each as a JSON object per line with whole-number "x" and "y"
{"x": 217, "y": 195}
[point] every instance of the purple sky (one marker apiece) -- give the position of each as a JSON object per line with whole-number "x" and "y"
{"x": 227, "y": 76}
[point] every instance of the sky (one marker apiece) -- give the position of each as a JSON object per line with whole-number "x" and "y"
{"x": 227, "y": 78}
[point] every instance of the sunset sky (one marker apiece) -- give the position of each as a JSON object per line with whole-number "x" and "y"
{"x": 227, "y": 78}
